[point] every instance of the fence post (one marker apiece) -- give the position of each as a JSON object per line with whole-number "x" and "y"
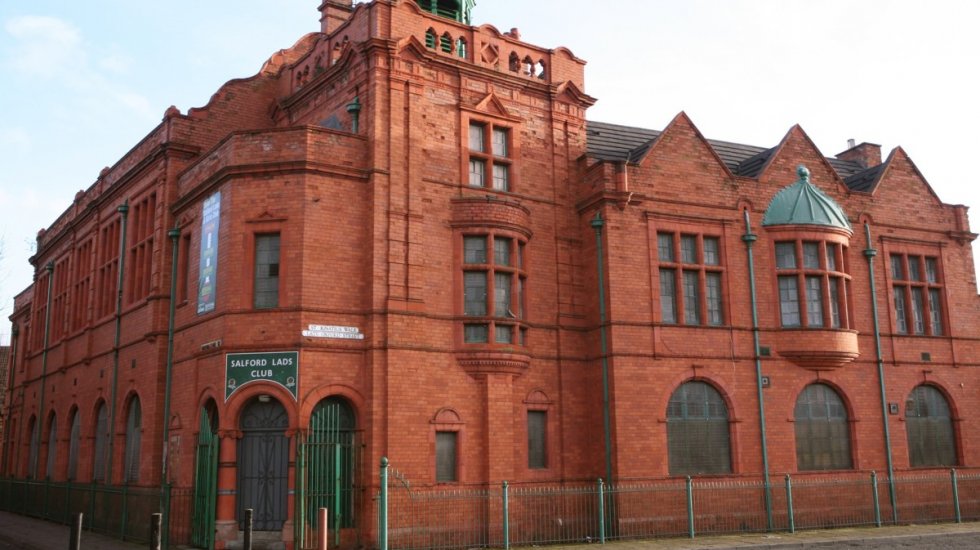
{"x": 689, "y": 486}
{"x": 248, "y": 530}
{"x": 602, "y": 513}
{"x": 874, "y": 497}
{"x": 506, "y": 517}
{"x": 383, "y": 507}
{"x": 75, "y": 535}
{"x": 156, "y": 520}
{"x": 956, "y": 496}
{"x": 322, "y": 529}
{"x": 789, "y": 504}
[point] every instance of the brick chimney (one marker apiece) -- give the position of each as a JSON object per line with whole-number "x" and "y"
{"x": 865, "y": 154}
{"x": 333, "y": 14}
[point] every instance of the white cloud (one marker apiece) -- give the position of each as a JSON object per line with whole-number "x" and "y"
{"x": 47, "y": 46}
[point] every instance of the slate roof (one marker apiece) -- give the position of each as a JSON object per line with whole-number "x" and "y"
{"x": 609, "y": 142}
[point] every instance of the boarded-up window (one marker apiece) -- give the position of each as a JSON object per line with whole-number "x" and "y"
{"x": 697, "y": 431}
{"x": 929, "y": 426}
{"x": 134, "y": 432}
{"x": 52, "y": 447}
{"x": 101, "y": 444}
{"x": 267, "y": 271}
{"x": 823, "y": 439}
{"x": 446, "y": 456}
{"x": 73, "y": 442}
{"x": 537, "y": 448}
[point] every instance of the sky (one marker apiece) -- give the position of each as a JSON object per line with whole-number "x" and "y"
{"x": 82, "y": 82}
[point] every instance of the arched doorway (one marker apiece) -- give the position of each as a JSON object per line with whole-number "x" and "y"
{"x": 263, "y": 464}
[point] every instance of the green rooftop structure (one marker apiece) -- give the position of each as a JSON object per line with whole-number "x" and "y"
{"x": 460, "y": 10}
{"x": 802, "y": 203}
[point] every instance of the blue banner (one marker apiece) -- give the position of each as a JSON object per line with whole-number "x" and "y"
{"x": 208, "y": 271}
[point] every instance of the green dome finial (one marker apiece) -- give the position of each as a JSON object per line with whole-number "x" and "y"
{"x": 802, "y": 203}
{"x": 803, "y": 173}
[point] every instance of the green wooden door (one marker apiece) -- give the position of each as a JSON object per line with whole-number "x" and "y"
{"x": 205, "y": 483}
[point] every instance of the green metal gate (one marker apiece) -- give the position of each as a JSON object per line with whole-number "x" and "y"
{"x": 327, "y": 465}
{"x": 205, "y": 484}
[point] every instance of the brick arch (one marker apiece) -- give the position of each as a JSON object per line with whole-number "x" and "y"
{"x": 675, "y": 382}
{"x": 126, "y": 402}
{"x": 234, "y": 406}
{"x": 954, "y": 411}
{"x": 799, "y": 385}
{"x": 318, "y": 394}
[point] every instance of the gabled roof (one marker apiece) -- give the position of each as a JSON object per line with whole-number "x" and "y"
{"x": 866, "y": 180}
{"x": 606, "y": 141}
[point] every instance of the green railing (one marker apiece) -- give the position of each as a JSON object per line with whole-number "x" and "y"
{"x": 536, "y": 514}
{"x": 121, "y": 512}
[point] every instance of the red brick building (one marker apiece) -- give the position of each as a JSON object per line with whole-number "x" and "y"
{"x": 402, "y": 238}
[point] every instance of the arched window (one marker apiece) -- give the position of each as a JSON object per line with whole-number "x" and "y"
{"x": 101, "y": 443}
{"x": 823, "y": 439}
{"x": 430, "y": 39}
{"x": 134, "y": 431}
{"x": 330, "y": 446}
{"x": 697, "y": 431}
{"x": 446, "y": 43}
{"x": 52, "y": 446}
{"x": 461, "y": 47}
{"x": 32, "y": 456}
{"x": 929, "y": 426}
{"x": 73, "y": 442}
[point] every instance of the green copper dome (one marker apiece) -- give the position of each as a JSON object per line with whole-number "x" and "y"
{"x": 801, "y": 203}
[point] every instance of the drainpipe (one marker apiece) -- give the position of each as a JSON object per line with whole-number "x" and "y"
{"x": 4, "y": 470}
{"x": 870, "y": 253}
{"x": 354, "y": 108}
{"x": 597, "y": 224}
{"x": 174, "y": 235}
{"x": 749, "y": 238}
{"x": 44, "y": 369}
{"x": 123, "y": 211}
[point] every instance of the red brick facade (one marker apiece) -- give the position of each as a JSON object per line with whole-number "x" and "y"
{"x": 354, "y": 148}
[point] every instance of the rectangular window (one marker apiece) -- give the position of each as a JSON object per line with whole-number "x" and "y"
{"x": 811, "y": 256}
{"x": 489, "y": 156}
{"x": 789, "y": 302}
{"x": 503, "y": 334}
{"x": 668, "y": 296}
{"x": 900, "y": 323}
{"x": 897, "y": 272}
{"x": 786, "y": 255}
{"x": 932, "y": 275}
{"x": 475, "y": 293}
{"x": 935, "y": 316}
{"x": 475, "y": 250}
{"x": 832, "y": 257}
{"x": 501, "y": 177}
{"x": 477, "y": 170}
{"x": 500, "y": 142}
{"x": 501, "y": 251}
{"x": 914, "y": 273}
{"x": 501, "y": 295}
{"x": 266, "y": 294}
{"x": 712, "y": 286}
{"x": 446, "y": 457}
{"x": 692, "y": 309}
{"x": 537, "y": 425}
{"x": 475, "y": 334}
{"x": 711, "y": 254}
{"x": 689, "y": 249}
{"x": 918, "y": 311}
{"x": 665, "y": 247}
{"x": 476, "y": 138}
{"x": 834, "y": 303}
{"x": 814, "y": 302}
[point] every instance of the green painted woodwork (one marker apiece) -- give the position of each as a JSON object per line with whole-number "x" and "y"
{"x": 205, "y": 484}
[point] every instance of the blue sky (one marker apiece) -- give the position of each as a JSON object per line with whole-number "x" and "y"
{"x": 84, "y": 81}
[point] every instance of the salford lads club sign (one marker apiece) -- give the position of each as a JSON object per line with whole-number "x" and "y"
{"x": 278, "y": 367}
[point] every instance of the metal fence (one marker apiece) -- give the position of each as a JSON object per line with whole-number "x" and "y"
{"x": 534, "y": 514}
{"x": 122, "y": 511}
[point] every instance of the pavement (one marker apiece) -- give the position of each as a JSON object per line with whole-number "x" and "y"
{"x": 25, "y": 533}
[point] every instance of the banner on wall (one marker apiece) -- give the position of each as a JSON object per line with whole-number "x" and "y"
{"x": 208, "y": 271}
